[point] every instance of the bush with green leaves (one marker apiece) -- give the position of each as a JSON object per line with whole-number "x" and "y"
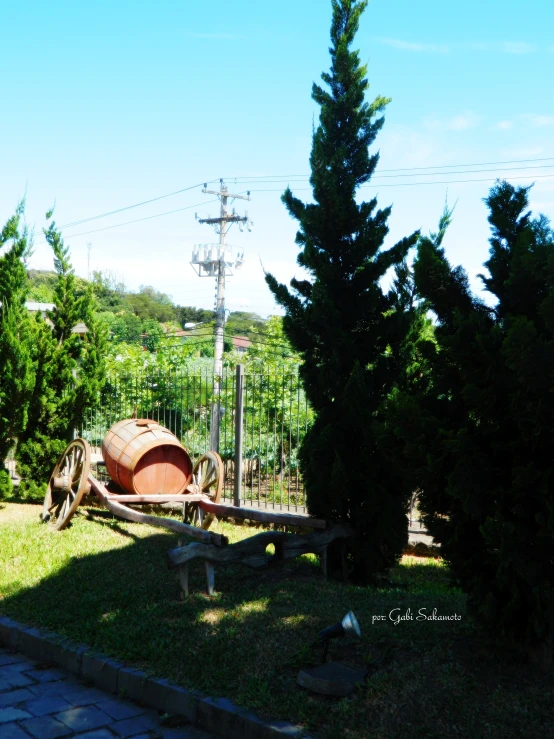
{"x": 478, "y": 430}
{"x": 17, "y": 374}
{"x": 69, "y": 373}
{"x": 6, "y": 485}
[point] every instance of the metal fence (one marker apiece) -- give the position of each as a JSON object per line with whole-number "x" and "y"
{"x": 262, "y": 419}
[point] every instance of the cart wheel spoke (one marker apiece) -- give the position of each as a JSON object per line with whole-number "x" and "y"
{"x": 208, "y": 476}
{"x": 56, "y": 504}
{"x": 60, "y": 504}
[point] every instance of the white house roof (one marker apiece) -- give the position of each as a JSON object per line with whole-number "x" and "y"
{"x": 32, "y": 305}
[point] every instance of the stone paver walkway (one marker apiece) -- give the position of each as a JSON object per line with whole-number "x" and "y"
{"x": 47, "y": 703}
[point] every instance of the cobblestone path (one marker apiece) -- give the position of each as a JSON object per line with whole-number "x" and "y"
{"x": 47, "y": 703}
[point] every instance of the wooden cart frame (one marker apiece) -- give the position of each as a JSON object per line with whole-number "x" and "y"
{"x": 72, "y": 480}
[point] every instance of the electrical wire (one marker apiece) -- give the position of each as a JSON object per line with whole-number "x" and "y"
{"x": 401, "y": 169}
{"x": 228, "y": 336}
{"x": 135, "y": 205}
{"x": 417, "y": 184}
{"x": 137, "y": 220}
{"x": 259, "y": 179}
{"x": 425, "y": 174}
{"x": 207, "y": 340}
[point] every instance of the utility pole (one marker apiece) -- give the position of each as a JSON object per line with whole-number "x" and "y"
{"x": 89, "y": 247}
{"x": 217, "y": 261}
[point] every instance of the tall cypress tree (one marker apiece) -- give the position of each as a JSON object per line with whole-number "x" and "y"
{"x": 16, "y": 366}
{"x": 69, "y": 372}
{"x": 340, "y": 319}
{"x": 480, "y": 432}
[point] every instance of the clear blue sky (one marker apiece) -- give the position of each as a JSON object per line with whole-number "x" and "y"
{"x": 106, "y": 104}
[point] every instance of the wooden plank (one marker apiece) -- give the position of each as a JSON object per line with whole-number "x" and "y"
{"x": 252, "y": 552}
{"x": 254, "y": 514}
{"x": 166, "y": 523}
{"x": 157, "y": 499}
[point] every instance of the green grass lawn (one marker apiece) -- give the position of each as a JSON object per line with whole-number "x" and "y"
{"x": 104, "y": 582}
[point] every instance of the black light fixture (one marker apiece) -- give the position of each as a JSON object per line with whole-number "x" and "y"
{"x": 348, "y": 626}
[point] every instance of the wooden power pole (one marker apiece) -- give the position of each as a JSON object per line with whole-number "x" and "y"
{"x": 217, "y": 261}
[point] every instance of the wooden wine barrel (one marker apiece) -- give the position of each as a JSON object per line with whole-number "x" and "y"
{"x": 145, "y": 458}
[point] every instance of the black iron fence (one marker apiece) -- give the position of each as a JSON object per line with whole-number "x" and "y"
{"x": 261, "y": 417}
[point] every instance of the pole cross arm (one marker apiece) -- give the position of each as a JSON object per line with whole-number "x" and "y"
{"x": 224, "y": 219}
{"x": 226, "y": 194}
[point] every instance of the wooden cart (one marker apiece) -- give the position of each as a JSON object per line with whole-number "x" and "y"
{"x": 148, "y": 466}
{"x": 142, "y": 455}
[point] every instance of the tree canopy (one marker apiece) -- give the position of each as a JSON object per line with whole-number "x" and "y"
{"x": 340, "y": 319}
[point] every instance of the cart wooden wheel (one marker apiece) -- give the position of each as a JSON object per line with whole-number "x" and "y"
{"x": 207, "y": 478}
{"x": 68, "y": 484}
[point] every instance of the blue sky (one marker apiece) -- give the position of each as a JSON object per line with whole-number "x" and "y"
{"x": 107, "y": 104}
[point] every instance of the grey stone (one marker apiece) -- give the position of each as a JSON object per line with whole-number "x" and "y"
{"x": 45, "y": 727}
{"x": 69, "y": 656}
{"x": 132, "y": 683}
{"x": 101, "y": 734}
{"x": 10, "y": 658}
{"x": 47, "y": 676}
{"x": 83, "y": 718}
{"x": 132, "y": 726}
{"x": 180, "y": 733}
{"x": 155, "y": 693}
{"x": 119, "y": 709}
{"x": 182, "y": 702}
{"x": 332, "y": 678}
{"x": 13, "y": 697}
{"x": 222, "y": 717}
{"x": 37, "y": 644}
{"x": 12, "y": 731}
{"x": 59, "y": 687}
{"x": 22, "y": 666}
{"x": 72, "y": 690}
{"x": 12, "y": 714}
{"x": 83, "y": 696}
{"x": 9, "y": 632}
{"x": 45, "y": 706}
{"x": 17, "y": 680}
{"x": 101, "y": 670}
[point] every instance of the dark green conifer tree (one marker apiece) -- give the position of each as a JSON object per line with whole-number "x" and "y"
{"x": 480, "y": 434}
{"x": 69, "y": 373}
{"x": 340, "y": 319}
{"x": 16, "y": 366}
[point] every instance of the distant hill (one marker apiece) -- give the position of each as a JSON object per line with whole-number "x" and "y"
{"x": 131, "y": 314}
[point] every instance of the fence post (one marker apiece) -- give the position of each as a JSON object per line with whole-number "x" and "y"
{"x": 239, "y": 412}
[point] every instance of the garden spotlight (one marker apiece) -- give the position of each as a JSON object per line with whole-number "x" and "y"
{"x": 348, "y": 625}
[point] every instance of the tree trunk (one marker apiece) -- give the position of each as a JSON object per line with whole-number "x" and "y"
{"x": 540, "y": 656}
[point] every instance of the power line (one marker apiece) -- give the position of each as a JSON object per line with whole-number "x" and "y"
{"x": 404, "y": 169}
{"x": 210, "y": 336}
{"x": 232, "y": 336}
{"x": 205, "y": 341}
{"x": 421, "y": 174}
{"x": 129, "y": 207}
{"x": 416, "y": 184}
{"x": 277, "y": 178}
{"x": 137, "y": 220}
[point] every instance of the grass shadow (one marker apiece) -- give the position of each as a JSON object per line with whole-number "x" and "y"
{"x": 107, "y": 586}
